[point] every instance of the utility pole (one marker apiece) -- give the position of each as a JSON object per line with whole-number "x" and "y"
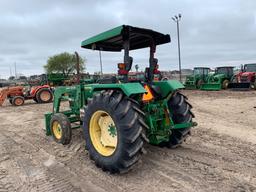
{"x": 101, "y": 72}
{"x": 15, "y": 70}
{"x": 10, "y": 70}
{"x": 177, "y": 19}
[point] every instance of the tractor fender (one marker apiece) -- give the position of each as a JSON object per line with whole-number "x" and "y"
{"x": 35, "y": 89}
{"x": 127, "y": 88}
{"x": 166, "y": 87}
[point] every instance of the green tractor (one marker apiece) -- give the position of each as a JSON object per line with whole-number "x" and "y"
{"x": 219, "y": 80}
{"x": 119, "y": 117}
{"x": 198, "y": 77}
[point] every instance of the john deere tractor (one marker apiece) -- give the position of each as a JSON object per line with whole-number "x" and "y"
{"x": 118, "y": 117}
{"x": 219, "y": 80}
{"x": 198, "y": 77}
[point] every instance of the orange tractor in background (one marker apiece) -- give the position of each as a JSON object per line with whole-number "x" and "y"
{"x": 18, "y": 94}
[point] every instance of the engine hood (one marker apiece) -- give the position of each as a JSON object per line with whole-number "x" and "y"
{"x": 219, "y": 76}
{"x": 192, "y": 77}
{"x": 247, "y": 74}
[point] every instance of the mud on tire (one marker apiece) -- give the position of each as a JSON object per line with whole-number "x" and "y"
{"x": 129, "y": 128}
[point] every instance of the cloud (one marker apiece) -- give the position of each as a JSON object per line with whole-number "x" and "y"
{"x": 213, "y": 33}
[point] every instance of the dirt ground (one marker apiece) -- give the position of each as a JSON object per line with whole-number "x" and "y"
{"x": 219, "y": 156}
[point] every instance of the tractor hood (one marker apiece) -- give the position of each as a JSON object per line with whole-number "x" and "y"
{"x": 247, "y": 74}
{"x": 219, "y": 76}
{"x": 216, "y": 77}
{"x": 192, "y": 77}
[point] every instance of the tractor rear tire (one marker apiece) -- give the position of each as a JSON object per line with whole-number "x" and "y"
{"x": 61, "y": 128}
{"x": 225, "y": 84}
{"x": 17, "y": 101}
{"x": 125, "y": 149}
{"x": 44, "y": 95}
{"x": 180, "y": 113}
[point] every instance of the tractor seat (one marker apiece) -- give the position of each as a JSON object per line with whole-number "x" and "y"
{"x": 156, "y": 91}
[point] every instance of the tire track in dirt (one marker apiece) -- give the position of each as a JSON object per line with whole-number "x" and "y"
{"x": 74, "y": 163}
{"x": 62, "y": 157}
{"x": 81, "y": 159}
{"x": 53, "y": 177}
{"x": 203, "y": 173}
{"x": 5, "y": 182}
{"x": 198, "y": 160}
{"x": 160, "y": 170}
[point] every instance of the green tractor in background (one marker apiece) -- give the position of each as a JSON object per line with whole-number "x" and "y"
{"x": 219, "y": 80}
{"x": 119, "y": 117}
{"x": 198, "y": 77}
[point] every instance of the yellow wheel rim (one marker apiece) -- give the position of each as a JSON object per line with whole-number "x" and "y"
{"x": 103, "y": 133}
{"x": 56, "y": 129}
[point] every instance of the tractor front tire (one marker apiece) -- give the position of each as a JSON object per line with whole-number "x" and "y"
{"x": 17, "y": 101}
{"x": 113, "y": 129}
{"x": 44, "y": 95}
{"x": 225, "y": 84}
{"x": 180, "y": 113}
{"x": 61, "y": 128}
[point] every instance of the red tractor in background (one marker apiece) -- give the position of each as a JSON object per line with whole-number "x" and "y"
{"x": 245, "y": 79}
{"x": 18, "y": 94}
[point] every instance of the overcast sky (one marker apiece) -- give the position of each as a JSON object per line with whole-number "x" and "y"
{"x": 213, "y": 33}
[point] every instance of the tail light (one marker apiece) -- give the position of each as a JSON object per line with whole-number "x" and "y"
{"x": 121, "y": 66}
{"x": 148, "y": 96}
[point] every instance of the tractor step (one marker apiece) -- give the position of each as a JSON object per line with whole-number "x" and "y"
{"x": 211, "y": 87}
{"x": 190, "y": 86}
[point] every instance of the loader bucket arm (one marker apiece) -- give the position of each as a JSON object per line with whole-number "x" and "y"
{"x": 3, "y": 96}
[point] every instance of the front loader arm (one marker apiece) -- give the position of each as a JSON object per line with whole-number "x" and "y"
{"x": 75, "y": 96}
{"x": 3, "y": 96}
